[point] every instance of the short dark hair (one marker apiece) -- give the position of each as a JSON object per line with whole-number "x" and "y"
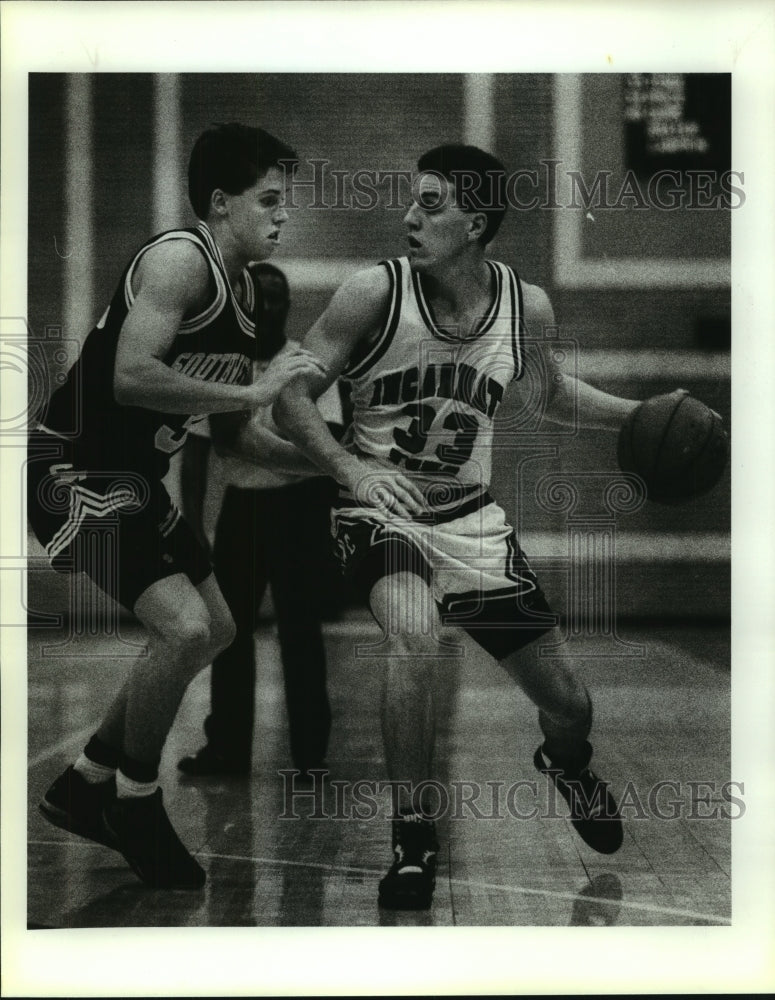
{"x": 232, "y": 157}
{"x": 479, "y": 180}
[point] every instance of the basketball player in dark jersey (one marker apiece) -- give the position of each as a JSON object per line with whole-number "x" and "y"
{"x": 430, "y": 344}
{"x": 177, "y": 342}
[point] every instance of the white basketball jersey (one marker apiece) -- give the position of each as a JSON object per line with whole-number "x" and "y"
{"x": 424, "y": 399}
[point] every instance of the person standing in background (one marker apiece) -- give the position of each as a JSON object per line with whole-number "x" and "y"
{"x": 273, "y": 530}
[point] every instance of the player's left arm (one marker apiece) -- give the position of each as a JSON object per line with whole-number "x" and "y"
{"x": 254, "y": 442}
{"x": 259, "y": 441}
{"x": 569, "y": 400}
{"x": 254, "y": 437}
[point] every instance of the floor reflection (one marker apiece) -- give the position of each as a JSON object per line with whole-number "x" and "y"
{"x": 598, "y": 903}
{"x": 135, "y": 905}
{"x": 227, "y": 808}
{"x": 406, "y": 918}
{"x": 303, "y": 893}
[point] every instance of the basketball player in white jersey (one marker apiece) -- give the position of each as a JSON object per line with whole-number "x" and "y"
{"x": 431, "y": 342}
{"x": 178, "y": 341}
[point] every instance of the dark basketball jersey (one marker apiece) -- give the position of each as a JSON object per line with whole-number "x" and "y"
{"x": 217, "y": 345}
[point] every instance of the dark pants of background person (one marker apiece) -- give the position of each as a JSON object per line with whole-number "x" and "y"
{"x": 280, "y": 537}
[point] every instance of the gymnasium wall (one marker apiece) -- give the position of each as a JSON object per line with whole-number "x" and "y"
{"x": 101, "y": 146}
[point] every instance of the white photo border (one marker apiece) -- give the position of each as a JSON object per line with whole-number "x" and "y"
{"x": 428, "y": 37}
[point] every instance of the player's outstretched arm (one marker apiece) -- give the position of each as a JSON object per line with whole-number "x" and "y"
{"x": 172, "y": 282}
{"x": 291, "y": 362}
{"x": 353, "y": 317}
{"x": 247, "y": 437}
{"x": 569, "y": 400}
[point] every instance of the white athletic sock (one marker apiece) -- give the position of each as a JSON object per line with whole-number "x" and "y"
{"x": 126, "y": 788}
{"x": 95, "y": 774}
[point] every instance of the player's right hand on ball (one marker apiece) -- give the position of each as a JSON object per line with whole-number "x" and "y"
{"x": 392, "y": 493}
{"x": 685, "y": 392}
{"x": 289, "y": 364}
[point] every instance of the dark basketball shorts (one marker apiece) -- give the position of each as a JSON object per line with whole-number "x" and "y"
{"x": 466, "y": 553}
{"x": 121, "y": 528}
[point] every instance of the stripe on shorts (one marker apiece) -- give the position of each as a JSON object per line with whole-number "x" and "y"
{"x": 83, "y": 503}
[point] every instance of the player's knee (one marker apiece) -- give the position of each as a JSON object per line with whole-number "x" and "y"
{"x": 404, "y": 605}
{"x": 412, "y": 627}
{"x": 188, "y": 639}
{"x": 222, "y": 633}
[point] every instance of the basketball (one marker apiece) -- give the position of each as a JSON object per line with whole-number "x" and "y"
{"x": 676, "y": 444}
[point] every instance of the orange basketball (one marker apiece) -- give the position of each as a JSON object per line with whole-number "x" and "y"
{"x": 676, "y": 444}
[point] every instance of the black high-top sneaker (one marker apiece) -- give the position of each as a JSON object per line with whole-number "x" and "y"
{"x": 74, "y": 804}
{"x": 148, "y": 841}
{"x": 411, "y": 879}
{"x": 593, "y": 810}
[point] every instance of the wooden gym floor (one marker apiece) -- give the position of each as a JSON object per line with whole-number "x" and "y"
{"x": 660, "y": 717}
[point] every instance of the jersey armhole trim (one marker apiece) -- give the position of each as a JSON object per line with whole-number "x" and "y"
{"x": 202, "y": 319}
{"x": 360, "y": 362}
{"x": 517, "y": 323}
{"x": 244, "y": 313}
